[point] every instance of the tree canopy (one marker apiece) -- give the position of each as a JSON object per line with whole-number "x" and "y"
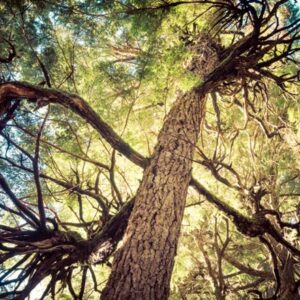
{"x": 91, "y": 93}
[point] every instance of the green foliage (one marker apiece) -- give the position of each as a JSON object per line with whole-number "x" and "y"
{"x": 129, "y": 67}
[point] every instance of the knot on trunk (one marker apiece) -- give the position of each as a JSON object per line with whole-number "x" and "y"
{"x": 205, "y": 55}
{"x": 102, "y": 252}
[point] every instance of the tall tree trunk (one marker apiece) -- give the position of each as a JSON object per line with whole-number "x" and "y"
{"x": 143, "y": 266}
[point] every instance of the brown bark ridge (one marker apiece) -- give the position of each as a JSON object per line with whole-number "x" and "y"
{"x": 143, "y": 265}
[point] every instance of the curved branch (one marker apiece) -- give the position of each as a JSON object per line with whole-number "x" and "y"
{"x": 22, "y": 208}
{"x": 11, "y": 53}
{"x": 42, "y": 96}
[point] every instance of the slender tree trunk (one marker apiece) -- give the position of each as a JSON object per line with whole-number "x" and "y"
{"x": 288, "y": 286}
{"x": 143, "y": 266}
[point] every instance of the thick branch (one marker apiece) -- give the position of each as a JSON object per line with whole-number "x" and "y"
{"x": 42, "y": 96}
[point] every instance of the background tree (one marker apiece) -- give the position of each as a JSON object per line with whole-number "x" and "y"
{"x": 69, "y": 180}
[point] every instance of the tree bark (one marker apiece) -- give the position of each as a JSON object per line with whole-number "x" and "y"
{"x": 143, "y": 266}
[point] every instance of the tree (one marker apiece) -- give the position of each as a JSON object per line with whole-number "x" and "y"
{"x": 244, "y": 59}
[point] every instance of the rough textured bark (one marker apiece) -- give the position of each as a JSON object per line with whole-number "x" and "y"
{"x": 143, "y": 266}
